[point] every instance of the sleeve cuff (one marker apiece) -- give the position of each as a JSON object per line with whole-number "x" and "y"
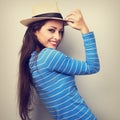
{"x": 88, "y": 35}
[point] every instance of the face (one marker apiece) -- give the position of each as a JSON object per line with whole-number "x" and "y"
{"x": 50, "y": 34}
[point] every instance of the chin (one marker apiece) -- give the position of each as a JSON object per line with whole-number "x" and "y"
{"x": 54, "y": 47}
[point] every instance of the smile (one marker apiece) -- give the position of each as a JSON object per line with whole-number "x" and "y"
{"x": 54, "y": 43}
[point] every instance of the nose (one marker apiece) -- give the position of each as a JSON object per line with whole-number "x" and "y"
{"x": 57, "y": 36}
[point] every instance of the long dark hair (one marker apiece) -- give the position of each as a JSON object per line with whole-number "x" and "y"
{"x": 25, "y": 84}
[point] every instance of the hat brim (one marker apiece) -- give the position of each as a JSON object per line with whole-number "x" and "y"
{"x": 28, "y": 21}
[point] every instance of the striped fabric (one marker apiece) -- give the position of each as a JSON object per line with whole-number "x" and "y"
{"x": 53, "y": 76}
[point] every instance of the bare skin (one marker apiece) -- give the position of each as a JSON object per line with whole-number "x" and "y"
{"x": 50, "y": 35}
{"x": 75, "y": 20}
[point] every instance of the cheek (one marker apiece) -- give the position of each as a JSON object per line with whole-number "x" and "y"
{"x": 41, "y": 38}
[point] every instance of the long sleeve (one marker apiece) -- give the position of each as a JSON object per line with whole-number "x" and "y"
{"x": 54, "y": 60}
{"x": 53, "y": 76}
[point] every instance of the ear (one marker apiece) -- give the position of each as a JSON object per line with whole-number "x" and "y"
{"x": 36, "y": 32}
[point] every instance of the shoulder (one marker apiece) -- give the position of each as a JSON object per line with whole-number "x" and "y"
{"x": 47, "y": 50}
{"x": 49, "y": 53}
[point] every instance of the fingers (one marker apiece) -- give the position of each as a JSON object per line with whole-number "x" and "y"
{"x": 74, "y": 18}
{"x": 75, "y": 12}
{"x": 73, "y": 15}
{"x": 76, "y": 21}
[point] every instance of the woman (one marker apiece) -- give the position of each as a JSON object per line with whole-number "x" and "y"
{"x": 51, "y": 72}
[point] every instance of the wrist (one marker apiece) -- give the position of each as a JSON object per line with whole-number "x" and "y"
{"x": 84, "y": 30}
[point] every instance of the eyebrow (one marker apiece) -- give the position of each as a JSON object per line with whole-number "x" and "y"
{"x": 56, "y": 27}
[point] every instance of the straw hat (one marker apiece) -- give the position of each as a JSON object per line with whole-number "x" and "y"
{"x": 47, "y": 9}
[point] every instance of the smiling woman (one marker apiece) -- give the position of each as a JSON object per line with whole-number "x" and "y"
{"x": 50, "y": 72}
{"x": 50, "y": 34}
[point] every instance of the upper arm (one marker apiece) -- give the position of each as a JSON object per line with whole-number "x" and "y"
{"x": 54, "y": 60}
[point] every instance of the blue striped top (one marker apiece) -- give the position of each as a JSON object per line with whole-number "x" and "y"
{"x": 53, "y": 75}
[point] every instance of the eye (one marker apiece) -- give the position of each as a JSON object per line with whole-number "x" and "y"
{"x": 51, "y": 30}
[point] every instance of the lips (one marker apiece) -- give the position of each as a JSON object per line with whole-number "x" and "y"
{"x": 54, "y": 43}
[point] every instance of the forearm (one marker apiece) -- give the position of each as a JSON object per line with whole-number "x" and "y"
{"x": 57, "y": 61}
{"x": 92, "y": 59}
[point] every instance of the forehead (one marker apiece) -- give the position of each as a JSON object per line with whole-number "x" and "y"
{"x": 54, "y": 23}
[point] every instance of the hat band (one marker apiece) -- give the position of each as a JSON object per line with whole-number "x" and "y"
{"x": 57, "y": 15}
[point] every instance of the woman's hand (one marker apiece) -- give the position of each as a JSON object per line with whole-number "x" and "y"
{"x": 76, "y": 21}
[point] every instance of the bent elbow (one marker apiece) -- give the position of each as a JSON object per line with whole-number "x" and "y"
{"x": 96, "y": 69}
